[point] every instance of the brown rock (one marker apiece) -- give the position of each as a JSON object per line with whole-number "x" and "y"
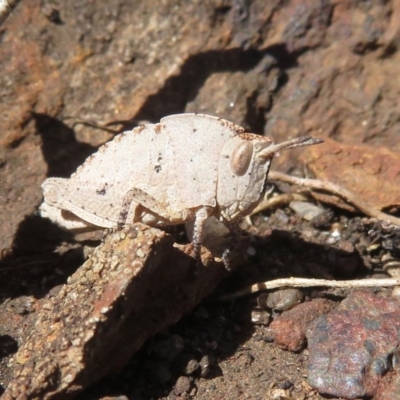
{"x": 355, "y": 165}
{"x": 134, "y": 285}
{"x": 289, "y": 329}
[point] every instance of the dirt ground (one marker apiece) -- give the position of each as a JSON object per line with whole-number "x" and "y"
{"x": 76, "y": 73}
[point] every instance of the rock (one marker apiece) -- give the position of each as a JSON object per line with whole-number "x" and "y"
{"x": 206, "y": 363}
{"x": 192, "y": 366}
{"x": 389, "y": 387}
{"x": 350, "y": 347}
{"x": 260, "y": 317}
{"x": 355, "y": 165}
{"x": 284, "y": 299}
{"x": 306, "y": 210}
{"x": 289, "y": 329}
{"x": 107, "y": 309}
{"x": 324, "y": 220}
{"x": 182, "y": 385}
{"x": 268, "y": 335}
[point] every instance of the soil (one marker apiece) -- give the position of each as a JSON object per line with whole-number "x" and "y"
{"x": 77, "y": 73}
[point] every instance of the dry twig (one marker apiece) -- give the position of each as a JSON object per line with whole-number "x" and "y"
{"x": 307, "y": 282}
{"x": 277, "y": 201}
{"x": 345, "y": 194}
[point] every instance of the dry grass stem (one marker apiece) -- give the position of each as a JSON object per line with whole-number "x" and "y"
{"x": 309, "y": 282}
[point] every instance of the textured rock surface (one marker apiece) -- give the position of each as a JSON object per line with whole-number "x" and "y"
{"x": 389, "y": 387}
{"x": 134, "y": 285}
{"x": 289, "y": 329}
{"x": 350, "y": 348}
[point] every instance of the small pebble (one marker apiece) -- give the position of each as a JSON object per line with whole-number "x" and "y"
{"x": 306, "y": 210}
{"x": 323, "y": 221}
{"x": 278, "y": 394}
{"x": 289, "y": 329}
{"x": 335, "y": 233}
{"x": 260, "y": 317}
{"x": 22, "y": 305}
{"x": 268, "y": 335}
{"x": 206, "y": 363}
{"x": 286, "y": 384}
{"x": 191, "y": 367}
{"x": 284, "y": 299}
{"x": 182, "y": 385}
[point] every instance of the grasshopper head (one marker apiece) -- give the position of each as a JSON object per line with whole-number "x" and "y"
{"x": 243, "y": 171}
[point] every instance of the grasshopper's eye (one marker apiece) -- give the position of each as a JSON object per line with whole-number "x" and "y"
{"x": 241, "y": 158}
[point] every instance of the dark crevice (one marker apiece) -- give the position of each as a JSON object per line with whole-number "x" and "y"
{"x": 389, "y": 50}
{"x": 61, "y": 151}
{"x": 284, "y": 59}
{"x": 365, "y": 48}
{"x": 255, "y": 116}
{"x": 180, "y": 90}
{"x": 16, "y": 143}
